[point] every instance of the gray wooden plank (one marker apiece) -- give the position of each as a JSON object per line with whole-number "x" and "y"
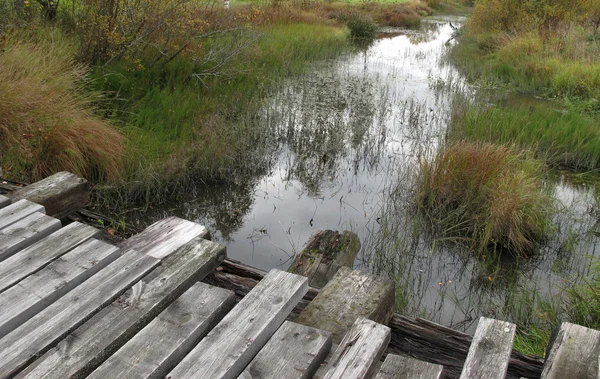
{"x": 88, "y": 346}
{"x": 17, "y": 211}
{"x": 164, "y": 237}
{"x": 294, "y": 352}
{"x": 36, "y": 256}
{"x": 349, "y": 295}
{"x": 61, "y": 193}
{"x": 4, "y": 201}
{"x": 158, "y": 347}
{"x": 30, "y": 296}
{"x": 574, "y": 353}
{"x": 25, "y": 232}
{"x": 400, "y": 367}
{"x": 47, "y": 328}
{"x": 360, "y": 351}
{"x": 231, "y": 345}
{"x": 490, "y": 350}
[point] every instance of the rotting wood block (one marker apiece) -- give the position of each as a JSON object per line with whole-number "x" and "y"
{"x": 61, "y": 194}
{"x": 401, "y": 367}
{"x": 231, "y": 345}
{"x": 294, "y": 352}
{"x": 573, "y": 353}
{"x": 157, "y": 348}
{"x": 93, "y": 342}
{"x": 490, "y": 350}
{"x": 349, "y": 295}
{"x": 359, "y": 352}
{"x": 324, "y": 254}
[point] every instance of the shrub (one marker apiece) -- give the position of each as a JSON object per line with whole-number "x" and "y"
{"x": 487, "y": 194}
{"x": 46, "y": 119}
{"x": 360, "y": 26}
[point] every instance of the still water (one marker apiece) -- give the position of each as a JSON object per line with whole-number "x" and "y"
{"x": 341, "y": 151}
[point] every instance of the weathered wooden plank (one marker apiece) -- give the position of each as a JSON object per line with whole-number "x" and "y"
{"x": 25, "y": 232}
{"x": 359, "y": 352}
{"x": 47, "y": 328}
{"x": 164, "y": 236}
{"x": 349, "y": 295}
{"x": 36, "y": 256}
{"x": 294, "y": 352}
{"x": 30, "y": 296}
{"x": 88, "y": 346}
{"x": 400, "y": 367}
{"x": 231, "y": 345}
{"x": 4, "y": 201}
{"x": 17, "y": 211}
{"x": 158, "y": 347}
{"x": 324, "y": 254}
{"x": 573, "y": 353}
{"x": 62, "y": 193}
{"x": 490, "y": 350}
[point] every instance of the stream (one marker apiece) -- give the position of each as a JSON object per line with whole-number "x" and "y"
{"x": 343, "y": 146}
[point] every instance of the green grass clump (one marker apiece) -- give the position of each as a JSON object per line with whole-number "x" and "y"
{"x": 488, "y": 195}
{"x": 565, "y": 138}
{"x": 361, "y": 26}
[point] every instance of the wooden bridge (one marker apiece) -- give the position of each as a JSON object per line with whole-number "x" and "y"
{"x": 73, "y": 306}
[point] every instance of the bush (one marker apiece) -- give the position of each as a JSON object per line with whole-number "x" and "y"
{"x": 360, "y": 26}
{"x": 487, "y": 194}
{"x": 46, "y": 119}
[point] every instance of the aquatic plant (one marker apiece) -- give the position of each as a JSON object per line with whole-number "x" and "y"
{"x": 489, "y": 195}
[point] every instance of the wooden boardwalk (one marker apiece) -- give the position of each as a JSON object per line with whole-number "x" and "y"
{"x": 72, "y": 306}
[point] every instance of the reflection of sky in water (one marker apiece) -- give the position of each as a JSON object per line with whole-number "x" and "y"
{"x": 345, "y": 136}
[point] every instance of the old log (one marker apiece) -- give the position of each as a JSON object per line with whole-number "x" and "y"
{"x": 416, "y": 338}
{"x": 324, "y": 254}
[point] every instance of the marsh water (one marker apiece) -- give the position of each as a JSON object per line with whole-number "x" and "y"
{"x": 340, "y": 150}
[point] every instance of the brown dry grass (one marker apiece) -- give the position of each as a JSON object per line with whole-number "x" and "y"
{"x": 46, "y": 121}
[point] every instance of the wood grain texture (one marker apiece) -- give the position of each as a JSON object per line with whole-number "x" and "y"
{"x": 164, "y": 237}
{"x": 62, "y": 193}
{"x": 573, "y": 353}
{"x": 157, "y": 348}
{"x": 490, "y": 350}
{"x": 359, "y": 352}
{"x": 36, "y": 256}
{"x": 47, "y": 328}
{"x": 294, "y": 352}
{"x": 349, "y": 295}
{"x": 92, "y": 343}
{"x": 400, "y": 367}
{"x": 25, "y": 232}
{"x": 4, "y": 201}
{"x": 30, "y": 296}
{"x": 17, "y": 211}
{"x": 231, "y": 345}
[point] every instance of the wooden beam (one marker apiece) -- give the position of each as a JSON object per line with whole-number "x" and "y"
{"x": 47, "y": 328}
{"x": 25, "y": 232}
{"x": 349, "y": 295}
{"x": 231, "y": 345}
{"x": 573, "y": 353}
{"x": 359, "y": 352}
{"x": 92, "y": 343}
{"x": 17, "y": 211}
{"x": 400, "y": 367}
{"x": 4, "y": 201}
{"x": 164, "y": 237}
{"x": 490, "y": 350}
{"x": 324, "y": 254}
{"x": 294, "y": 352}
{"x": 157, "y": 348}
{"x": 36, "y": 256}
{"x": 62, "y": 193}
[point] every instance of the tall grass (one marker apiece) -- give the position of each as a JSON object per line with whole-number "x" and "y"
{"x": 488, "y": 195}
{"x": 47, "y": 120}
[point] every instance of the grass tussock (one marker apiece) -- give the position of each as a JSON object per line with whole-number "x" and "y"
{"x": 488, "y": 195}
{"x": 47, "y": 122}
